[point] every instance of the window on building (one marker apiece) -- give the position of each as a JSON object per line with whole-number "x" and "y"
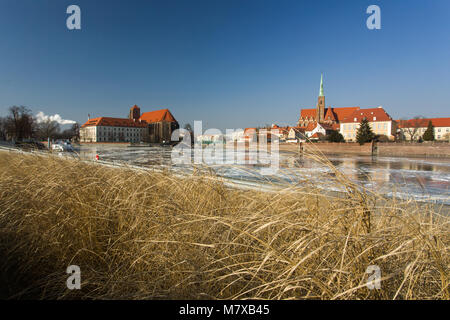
{"x": 374, "y": 118}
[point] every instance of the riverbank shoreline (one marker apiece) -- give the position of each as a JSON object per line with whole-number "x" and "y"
{"x": 381, "y": 149}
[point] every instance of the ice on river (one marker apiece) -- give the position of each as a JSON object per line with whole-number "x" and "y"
{"x": 418, "y": 178}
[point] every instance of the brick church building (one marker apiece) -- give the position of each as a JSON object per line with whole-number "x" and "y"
{"x": 320, "y": 114}
{"x": 345, "y": 120}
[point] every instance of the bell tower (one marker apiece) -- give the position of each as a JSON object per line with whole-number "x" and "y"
{"x": 135, "y": 113}
{"x": 321, "y": 103}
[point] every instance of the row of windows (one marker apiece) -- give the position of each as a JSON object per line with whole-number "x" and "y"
{"x": 356, "y": 119}
{"x": 100, "y": 139}
{"x": 115, "y": 134}
{"x": 117, "y": 129}
{"x": 373, "y": 125}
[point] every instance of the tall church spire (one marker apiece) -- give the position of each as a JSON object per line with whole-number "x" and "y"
{"x": 321, "y": 86}
{"x": 320, "y": 114}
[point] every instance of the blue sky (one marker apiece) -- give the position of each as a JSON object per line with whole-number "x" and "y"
{"x": 230, "y": 63}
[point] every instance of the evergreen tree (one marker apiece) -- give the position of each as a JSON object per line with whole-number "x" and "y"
{"x": 365, "y": 133}
{"x": 429, "y": 133}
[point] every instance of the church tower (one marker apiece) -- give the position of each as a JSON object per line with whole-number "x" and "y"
{"x": 135, "y": 113}
{"x": 321, "y": 103}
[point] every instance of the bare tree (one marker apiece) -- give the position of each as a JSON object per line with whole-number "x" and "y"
{"x": 20, "y": 123}
{"x": 48, "y": 129}
{"x": 3, "y": 128}
{"x": 73, "y": 133}
{"x": 411, "y": 127}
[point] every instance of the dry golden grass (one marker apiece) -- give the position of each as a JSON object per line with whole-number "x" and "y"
{"x": 149, "y": 235}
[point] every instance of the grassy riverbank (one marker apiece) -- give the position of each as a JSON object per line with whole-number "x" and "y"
{"x": 149, "y": 235}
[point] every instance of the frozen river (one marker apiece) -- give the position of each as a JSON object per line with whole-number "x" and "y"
{"x": 418, "y": 178}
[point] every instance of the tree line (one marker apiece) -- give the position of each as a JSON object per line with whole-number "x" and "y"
{"x": 20, "y": 124}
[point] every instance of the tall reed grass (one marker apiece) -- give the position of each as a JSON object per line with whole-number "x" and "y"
{"x": 140, "y": 234}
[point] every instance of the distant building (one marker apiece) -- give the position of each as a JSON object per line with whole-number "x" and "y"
{"x": 413, "y": 129}
{"x": 249, "y": 135}
{"x": 321, "y": 121}
{"x": 106, "y": 129}
{"x": 380, "y": 122}
{"x": 155, "y": 127}
{"x": 320, "y": 114}
{"x": 161, "y": 124}
{"x": 281, "y": 132}
{"x": 296, "y": 134}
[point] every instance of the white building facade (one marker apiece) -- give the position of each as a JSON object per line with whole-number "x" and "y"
{"x": 113, "y": 130}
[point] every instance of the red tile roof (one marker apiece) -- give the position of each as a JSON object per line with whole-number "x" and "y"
{"x": 114, "y": 122}
{"x": 316, "y": 135}
{"x": 336, "y": 114}
{"x": 310, "y": 127}
{"x": 249, "y": 130}
{"x": 342, "y": 113}
{"x": 299, "y": 129}
{"x": 308, "y": 113}
{"x": 157, "y": 116}
{"x": 329, "y": 114}
{"x": 369, "y": 114}
{"x": 422, "y": 123}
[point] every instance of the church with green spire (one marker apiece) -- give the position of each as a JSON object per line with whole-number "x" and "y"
{"x": 320, "y": 115}
{"x": 327, "y": 117}
{"x": 321, "y": 86}
{"x": 320, "y": 121}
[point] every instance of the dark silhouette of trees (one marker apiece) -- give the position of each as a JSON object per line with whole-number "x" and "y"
{"x": 3, "y": 128}
{"x": 335, "y": 136}
{"x": 47, "y": 129}
{"x": 20, "y": 123}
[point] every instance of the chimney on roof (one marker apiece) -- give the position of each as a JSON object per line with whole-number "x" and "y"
{"x": 89, "y": 117}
